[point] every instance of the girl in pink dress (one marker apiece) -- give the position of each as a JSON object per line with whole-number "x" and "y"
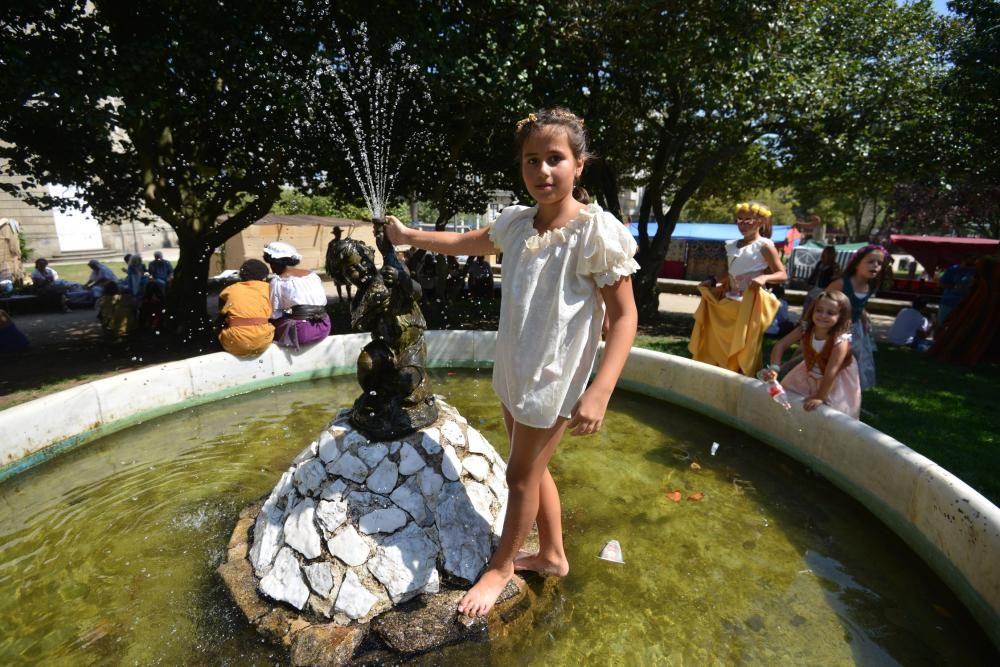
{"x": 827, "y": 374}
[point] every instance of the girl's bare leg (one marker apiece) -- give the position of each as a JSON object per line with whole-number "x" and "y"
{"x": 551, "y": 557}
{"x": 531, "y": 450}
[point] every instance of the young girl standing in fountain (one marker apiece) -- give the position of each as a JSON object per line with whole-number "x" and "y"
{"x": 566, "y": 263}
{"x": 861, "y": 278}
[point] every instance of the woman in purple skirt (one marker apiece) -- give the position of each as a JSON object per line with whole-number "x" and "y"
{"x": 297, "y": 297}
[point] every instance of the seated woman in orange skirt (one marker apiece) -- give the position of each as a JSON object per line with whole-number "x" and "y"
{"x": 245, "y": 309}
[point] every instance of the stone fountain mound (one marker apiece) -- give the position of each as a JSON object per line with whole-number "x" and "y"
{"x": 356, "y": 529}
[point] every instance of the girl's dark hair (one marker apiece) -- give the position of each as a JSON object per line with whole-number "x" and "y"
{"x": 570, "y": 123}
{"x": 859, "y": 256}
{"x": 843, "y": 324}
{"x": 279, "y": 264}
{"x": 253, "y": 269}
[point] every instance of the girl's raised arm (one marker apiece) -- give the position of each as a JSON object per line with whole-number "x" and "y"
{"x": 476, "y": 242}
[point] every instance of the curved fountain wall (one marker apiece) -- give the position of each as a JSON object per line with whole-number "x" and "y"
{"x": 951, "y": 526}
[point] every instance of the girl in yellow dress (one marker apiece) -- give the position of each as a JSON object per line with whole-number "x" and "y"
{"x": 734, "y": 312}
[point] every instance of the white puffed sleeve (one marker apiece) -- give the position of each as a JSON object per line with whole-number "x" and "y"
{"x": 499, "y": 230}
{"x": 607, "y": 250}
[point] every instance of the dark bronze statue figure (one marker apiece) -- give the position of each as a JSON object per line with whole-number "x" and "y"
{"x": 396, "y": 397}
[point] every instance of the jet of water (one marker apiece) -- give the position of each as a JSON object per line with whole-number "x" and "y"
{"x": 366, "y": 110}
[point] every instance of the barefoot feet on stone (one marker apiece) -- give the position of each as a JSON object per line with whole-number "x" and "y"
{"x": 552, "y": 567}
{"x": 481, "y": 597}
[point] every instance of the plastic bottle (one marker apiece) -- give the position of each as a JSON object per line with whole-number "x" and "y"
{"x": 774, "y": 389}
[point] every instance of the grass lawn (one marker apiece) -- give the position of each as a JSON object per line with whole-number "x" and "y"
{"x": 78, "y": 273}
{"x": 947, "y": 413}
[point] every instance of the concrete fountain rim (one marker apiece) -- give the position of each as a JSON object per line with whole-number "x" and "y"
{"x": 948, "y": 524}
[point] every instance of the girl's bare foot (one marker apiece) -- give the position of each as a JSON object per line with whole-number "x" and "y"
{"x": 481, "y": 597}
{"x": 554, "y": 567}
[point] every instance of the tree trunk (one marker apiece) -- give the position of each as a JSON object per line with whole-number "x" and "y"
{"x": 187, "y": 320}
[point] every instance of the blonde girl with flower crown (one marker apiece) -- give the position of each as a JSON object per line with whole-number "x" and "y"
{"x": 567, "y": 264}
{"x": 734, "y": 312}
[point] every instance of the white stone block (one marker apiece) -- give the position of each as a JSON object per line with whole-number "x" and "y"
{"x": 309, "y": 477}
{"x": 331, "y": 515}
{"x": 453, "y": 433}
{"x": 404, "y": 563}
{"x": 350, "y": 467}
{"x": 383, "y": 479}
{"x": 349, "y": 546}
{"x": 409, "y": 498}
{"x": 476, "y": 466}
{"x": 451, "y": 466}
{"x": 410, "y": 460}
{"x": 431, "y": 441}
{"x": 354, "y": 599}
{"x": 382, "y": 521}
{"x": 372, "y": 454}
{"x": 300, "y": 529}
{"x": 284, "y": 582}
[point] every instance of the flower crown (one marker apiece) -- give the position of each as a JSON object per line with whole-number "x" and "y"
{"x": 557, "y": 113}
{"x": 757, "y": 209}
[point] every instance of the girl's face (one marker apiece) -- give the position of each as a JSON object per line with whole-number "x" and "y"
{"x": 749, "y": 223}
{"x": 870, "y": 265}
{"x": 548, "y": 166}
{"x": 826, "y": 312}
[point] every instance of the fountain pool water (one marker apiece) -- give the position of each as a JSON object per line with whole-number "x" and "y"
{"x": 108, "y": 553}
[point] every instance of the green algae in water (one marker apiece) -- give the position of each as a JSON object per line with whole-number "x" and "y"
{"x": 108, "y": 553}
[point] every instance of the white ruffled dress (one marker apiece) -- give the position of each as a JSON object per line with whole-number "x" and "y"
{"x": 552, "y": 311}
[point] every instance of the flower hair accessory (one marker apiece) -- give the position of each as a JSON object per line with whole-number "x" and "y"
{"x": 871, "y": 247}
{"x": 561, "y": 114}
{"x": 524, "y": 121}
{"x": 756, "y": 209}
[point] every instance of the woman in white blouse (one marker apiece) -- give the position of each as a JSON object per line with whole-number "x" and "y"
{"x": 297, "y": 298}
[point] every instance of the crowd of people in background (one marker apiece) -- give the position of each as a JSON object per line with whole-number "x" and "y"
{"x": 835, "y": 361}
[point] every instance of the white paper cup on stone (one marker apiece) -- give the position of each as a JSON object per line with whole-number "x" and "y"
{"x": 612, "y": 551}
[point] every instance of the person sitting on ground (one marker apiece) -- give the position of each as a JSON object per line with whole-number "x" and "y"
{"x": 46, "y": 283}
{"x": 135, "y": 277}
{"x": 912, "y": 326}
{"x": 116, "y": 311}
{"x": 11, "y": 338}
{"x": 245, "y": 312}
{"x": 161, "y": 270}
{"x": 828, "y": 374}
{"x": 781, "y": 325}
{"x": 151, "y": 307}
{"x": 100, "y": 276}
{"x": 297, "y": 298}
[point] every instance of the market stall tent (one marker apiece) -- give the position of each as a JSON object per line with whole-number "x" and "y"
{"x": 940, "y": 252}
